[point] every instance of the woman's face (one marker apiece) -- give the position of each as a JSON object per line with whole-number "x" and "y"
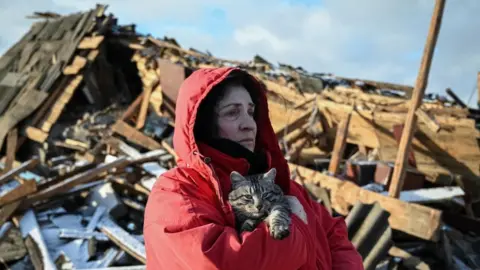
{"x": 235, "y": 117}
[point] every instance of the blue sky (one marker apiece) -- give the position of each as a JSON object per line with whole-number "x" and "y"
{"x": 370, "y": 39}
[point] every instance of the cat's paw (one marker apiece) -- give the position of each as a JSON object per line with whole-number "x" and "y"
{"x": 248, "y": 225}
{"x": 279, "y": 232}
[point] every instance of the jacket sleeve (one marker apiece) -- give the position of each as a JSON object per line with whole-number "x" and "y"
{"x": 191, "y": 234}
{"x": 344, "y": 254}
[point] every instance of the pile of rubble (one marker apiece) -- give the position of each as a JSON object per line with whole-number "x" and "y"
{"x": 87, "y": 111}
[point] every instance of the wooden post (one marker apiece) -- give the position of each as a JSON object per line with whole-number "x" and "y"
{"x": 339, "y": 147}
{"x": 418, "y": 92}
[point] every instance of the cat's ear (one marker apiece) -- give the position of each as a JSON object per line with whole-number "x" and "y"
{"x": 236, "y": 177}
{"x": 270, "y": 175}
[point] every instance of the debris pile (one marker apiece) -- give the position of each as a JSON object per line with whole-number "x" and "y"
{"x": 87, "y": 113}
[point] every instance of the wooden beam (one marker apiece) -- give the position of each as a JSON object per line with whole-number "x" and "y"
{"x": 428, "y": 120}
{"x": 142, "y": 115}
{"x": 78, "y": 179}
{"x": 60, "y": 103}
{"x": 294, "y": 124}
{"x": 19, "y": 189}
{"x": 27, "y": 165}
{"x": 36, "y": 134}
{"x": 419, "y": 90}
{"x": 339, "y": 146}
{"x": 414, "y": 219}
{"x": 123, "y": 239}
{"x": 77, "y": 64}
{"x": 132, "y": 108}
{"x": 12, "y": 138}
{"x": 135, "y": 136}
{"x": 90, "y": 42}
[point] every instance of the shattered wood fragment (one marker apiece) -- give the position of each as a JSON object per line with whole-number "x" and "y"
{"x": 144, "y": 107}
{"x": 77, "y": 64}
{"x": 27, "y": 165}
{"x": 11, "y": 149}
{"x": 414, "y": 219}
{"x": 429, "y": 121}
{"x": 340, "y": 144}
{"x": 34, "y": 241}
{"x": 57, "y": 108}
{"x": 132, "y": 108}
{"x": 123, "y": 239}
{"x": 135, "y": 136}
{"x": 36, "y": 134}
{"x": 293, "y": 124}
{"x": 90, "y": 42}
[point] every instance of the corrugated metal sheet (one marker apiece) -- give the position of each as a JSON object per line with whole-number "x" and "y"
{"x": 370, "y": 232}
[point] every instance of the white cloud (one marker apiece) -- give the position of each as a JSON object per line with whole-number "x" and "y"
{"x": 371, "y": 39}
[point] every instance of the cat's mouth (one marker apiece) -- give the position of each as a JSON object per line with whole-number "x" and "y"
{"x": 259, "y": 214}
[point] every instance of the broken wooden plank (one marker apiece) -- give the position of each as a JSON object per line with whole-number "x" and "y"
{"x": 60, "y": 103}
{"x": 90, "y": 42}
{"x": 123, "y": 239}
{"x": 36, "y": 134}
{"x": 15, "y": 190}
{"x": 293, "y": 124}
{"x": 34, "y": 241}
{"x": 78, "y": 179}
{"x": 11, "y": 149}
{"x": 135, "y": 136}
{"x": 339, "y": 146}
{"x": 132, "y": 108}
{"x": 398, "y": 177}
{"x": 77, "y": 64}
{"x": 414, "y": 219}
{"x": 27, "y": 165}
{"x": 429, "y": 121}
{"x": 142, "y": 115}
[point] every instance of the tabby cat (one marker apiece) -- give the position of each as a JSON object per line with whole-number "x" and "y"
{"x": 256, "y": 198}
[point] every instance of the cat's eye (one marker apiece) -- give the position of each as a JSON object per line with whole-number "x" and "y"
{"x": 248, "y": 197}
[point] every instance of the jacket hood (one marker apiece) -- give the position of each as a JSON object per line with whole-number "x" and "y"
{"x": 191, "y": 93}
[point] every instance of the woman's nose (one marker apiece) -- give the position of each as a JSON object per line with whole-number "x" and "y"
{"x": 248, "y": 123}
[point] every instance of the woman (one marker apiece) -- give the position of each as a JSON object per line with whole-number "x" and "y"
{"x": 222, "y": 124}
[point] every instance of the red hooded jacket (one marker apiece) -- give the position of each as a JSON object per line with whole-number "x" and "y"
{"x": 190, "y": 225}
